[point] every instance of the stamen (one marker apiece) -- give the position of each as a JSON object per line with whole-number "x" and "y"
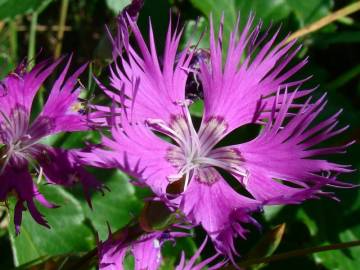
{"x": 40, "y": 176}
{"x": 194, "y": 154}
{"x": 187, "y": 180}
{"x": 229, "y": 166}
{"x": 184, "y": 103}
{"x": 160, "y": 126}
{"x": 7, "y": 157}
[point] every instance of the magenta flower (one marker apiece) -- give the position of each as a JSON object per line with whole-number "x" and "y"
{"x": 132, "y": 10}
{"x": 190, "y": 265}
{"x": 21, "y": 146}
{"x": 256, "y": 90}
{"x": 146, "y": 250}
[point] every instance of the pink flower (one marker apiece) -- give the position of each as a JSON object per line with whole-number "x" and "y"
{"x": 20, "y": 137}
{"x": 146, "y": 250}
{"x": 190, "y": 265}
{"x": 152, "y": 101}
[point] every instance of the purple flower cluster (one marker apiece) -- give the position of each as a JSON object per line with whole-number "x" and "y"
{"x": 154, "y": 138}
{"x": 21, "y": 146}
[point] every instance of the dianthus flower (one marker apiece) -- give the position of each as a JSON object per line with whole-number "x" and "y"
{"x": 190, "y": 265}
{"x": 146, "y": 249}
{"x": 21, "y": 147}
{"x": 279, "y": 166}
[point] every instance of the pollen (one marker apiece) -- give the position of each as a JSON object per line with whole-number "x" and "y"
{"x": 77, "y": 107}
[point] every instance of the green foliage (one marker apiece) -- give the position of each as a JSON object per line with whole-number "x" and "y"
{"x": 274, "y": 11}
{"x": 268, "y": 11}
{"x": 117, "y": 5}
{"x": 309, "y": 11}
{"x": 116, "y": 207}
{"x": 342, "y": 259}
{"x": 267, "y": 245}
{"x": 68, "y": 233}
{"x": 217, "y": 9}
{"x": 9, "y": 9}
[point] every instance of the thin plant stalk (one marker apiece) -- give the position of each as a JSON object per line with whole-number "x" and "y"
{"x": 32, "y": 41}
{"x": 13, "y": 38}
{"x": 325, "y": 21}
{"x": 298, "y": 253}
{"x": 61, "y": 28}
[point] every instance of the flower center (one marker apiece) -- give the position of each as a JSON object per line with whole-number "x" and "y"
{"x": 194, "y": 154}
{"x": 19, "y": 140}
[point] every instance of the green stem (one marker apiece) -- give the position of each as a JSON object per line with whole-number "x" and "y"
{"x": 13, "y": 40}
{"x": 298, "y": 253}
{"x": 343, "y": 12}
{"x": 32, "y": 40}
{"x": 91, "y": 86}
{"x": 60, "y": 33}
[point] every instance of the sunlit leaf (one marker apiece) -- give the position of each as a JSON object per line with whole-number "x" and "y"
{"x": 117, "y": 5}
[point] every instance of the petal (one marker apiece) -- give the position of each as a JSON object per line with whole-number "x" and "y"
{"x": 111, "y": 255}
{"x": 191, "y": 263}
{"x": 242, "y": 91}
{"x": 19, "y": 208}
{"x": 283, "y": 166}
{"x": 147, "y": 254}
{"x": 21, "y": 87}
{"x": 143, "y": 85}
{"x": 62, "y": 167}
{"x": 219, "y": 209}
{"x": 137, "y": 151}
{"x": 20, "y": 182}
{"x": 62, "y": 107}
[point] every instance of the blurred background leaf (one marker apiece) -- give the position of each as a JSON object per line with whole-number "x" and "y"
{"x": 9, "y": 9}
{"x": 117, "y": 5}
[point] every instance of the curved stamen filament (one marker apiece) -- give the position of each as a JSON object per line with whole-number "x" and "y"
{"x": 166, "y": 130}
{"x": 228, "y": 166}
{"x": 194, "y": 155}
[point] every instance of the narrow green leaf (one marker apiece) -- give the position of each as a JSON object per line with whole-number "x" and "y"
{"x": 338, "y": 259}
{"x": 267, "y": 245}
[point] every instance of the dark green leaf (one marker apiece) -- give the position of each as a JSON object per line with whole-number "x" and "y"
{"x": 267, "y": 245}
{"x": 217, "y": 9}
{"x": 309, "y": 11}
{"x": 267, "y": 11}
{"x": 342, "y": 259}
{"x": 68, "y": 233}
{"x": 116, "y": 208}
